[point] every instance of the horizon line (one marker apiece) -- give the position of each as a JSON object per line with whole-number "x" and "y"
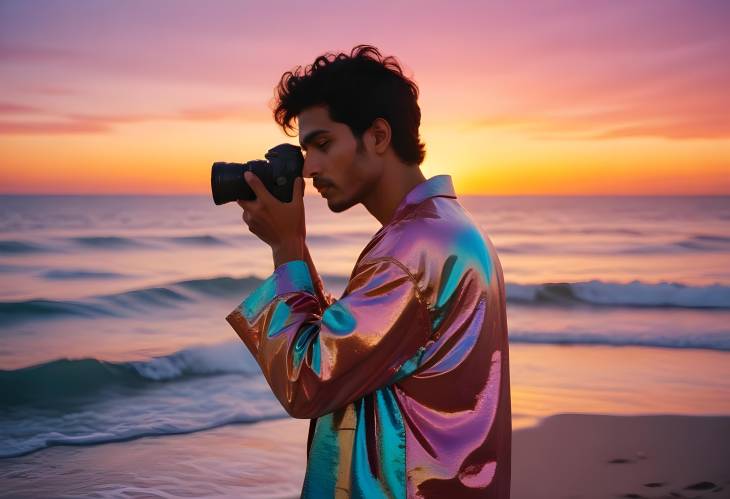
{"x": 147, "y": 194}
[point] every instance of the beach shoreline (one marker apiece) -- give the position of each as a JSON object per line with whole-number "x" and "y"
{"x": 565, "y": 455}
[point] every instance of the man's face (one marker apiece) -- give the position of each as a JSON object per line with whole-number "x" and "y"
{"x": 343, "y": 172}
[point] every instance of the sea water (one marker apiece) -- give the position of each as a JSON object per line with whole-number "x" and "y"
{"x": 112, "y": 309}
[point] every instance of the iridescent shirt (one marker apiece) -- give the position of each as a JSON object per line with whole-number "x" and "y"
{"x": 405, "y": 377}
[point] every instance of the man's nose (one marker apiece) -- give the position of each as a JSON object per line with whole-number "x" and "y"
{"x": 310, "y": 167}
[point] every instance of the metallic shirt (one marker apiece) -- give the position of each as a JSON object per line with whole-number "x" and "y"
{"x": 406, "y": 376}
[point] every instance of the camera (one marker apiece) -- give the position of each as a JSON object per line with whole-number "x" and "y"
{"x": 282, "y": 165}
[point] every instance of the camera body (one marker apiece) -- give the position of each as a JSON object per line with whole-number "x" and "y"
{"x": 282, "y": 165}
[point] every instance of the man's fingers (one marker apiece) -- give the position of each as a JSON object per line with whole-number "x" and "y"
{"x": 298, "y": 188}
{"x": 248, "y": 220}
{"x": 257, "y": 186}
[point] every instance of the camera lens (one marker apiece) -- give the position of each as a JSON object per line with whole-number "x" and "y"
{"x": 227, "y": 181}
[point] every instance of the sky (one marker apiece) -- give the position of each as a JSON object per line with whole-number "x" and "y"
{"x": 618, "y": 97}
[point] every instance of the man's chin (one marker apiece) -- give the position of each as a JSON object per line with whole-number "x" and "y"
{"x": 338, "y": 206}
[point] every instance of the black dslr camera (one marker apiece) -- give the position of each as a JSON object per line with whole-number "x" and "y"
{"x": 284, "y": 164}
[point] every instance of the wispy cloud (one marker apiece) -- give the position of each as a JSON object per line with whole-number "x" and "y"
{"x": 51, "y": 128}
{"x": 34, "y": 54}
{"x": 611, "y": 124}
{"x": 73, "y": 123}
{"x": 657, "y": 64}
{"x": 12, "y": 108}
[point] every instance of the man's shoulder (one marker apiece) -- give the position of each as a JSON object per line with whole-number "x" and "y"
{"x": 432, "y": 231}
{"x": 440, "y": 245}
{"x": 432, "y": 219}
{"x": 436, "y": 240}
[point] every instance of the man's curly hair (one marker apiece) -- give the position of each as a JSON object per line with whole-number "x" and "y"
{"x": 356, "y": 88}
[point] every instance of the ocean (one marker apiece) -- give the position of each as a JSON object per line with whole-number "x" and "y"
{"x": 112, "y": 309}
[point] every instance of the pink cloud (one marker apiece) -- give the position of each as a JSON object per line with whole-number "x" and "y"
{"x": 11, "y": 108}
{"x": 597, "y": 69}
{"x": 51, "y": 128}
{"x": 29, "y": 53}
{"x": 98, "y": 123}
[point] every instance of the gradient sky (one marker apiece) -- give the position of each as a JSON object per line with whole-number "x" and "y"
{"x": 556, "y": 97}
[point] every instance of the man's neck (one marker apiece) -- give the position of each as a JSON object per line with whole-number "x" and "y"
{"x": 395, "y": 183}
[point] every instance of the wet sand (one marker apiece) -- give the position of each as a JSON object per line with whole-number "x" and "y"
{"x": 569, "y": 455}
{"x": 596, "y": 456}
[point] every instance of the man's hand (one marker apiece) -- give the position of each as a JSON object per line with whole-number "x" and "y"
{"x": 280, "y": 225}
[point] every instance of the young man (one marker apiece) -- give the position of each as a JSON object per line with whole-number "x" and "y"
{"x": 405, "y": 377}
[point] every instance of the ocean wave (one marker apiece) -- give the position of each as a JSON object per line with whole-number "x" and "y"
{"x": 90, "y": 401}
{"x": 116, "y": 305}
{"x": 57, "y": 380}
{"x": 202, "y": 240}
{"x": 693, "y": 244}
{"x": 632, "y": 242}
{"x": 509, "y": 229}
{"x": 524, "y": 248}
{"x": 698, "y": 243}
{"x": 10, "y": 247}
{"x": 220, "y": 286}
{"x": 20, "y": 311}
{"x": 703, "y": 341}
{"x": 80, "y": 274}
{"x": 16, "y": 447}
{"x": 598, "y": 293}
{"x": 7, "y": 268}
{"x": 328, "y": 238}
{"x": 121, "y": 304}
{"x": 61, "y": 245}
{"x": 632, "y": 294}
{"x": 107, "y": 242}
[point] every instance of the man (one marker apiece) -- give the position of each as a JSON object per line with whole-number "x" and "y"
{"x": 406, "y": 377}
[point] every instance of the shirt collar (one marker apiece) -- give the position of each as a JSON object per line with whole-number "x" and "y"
{"x": 439, "y": 185}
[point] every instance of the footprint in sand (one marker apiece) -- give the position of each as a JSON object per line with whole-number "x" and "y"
{"x": 701, "y": 486}
{"x": 620, "y": 460}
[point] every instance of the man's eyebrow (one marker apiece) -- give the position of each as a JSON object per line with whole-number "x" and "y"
{"x": 309, "y": 138}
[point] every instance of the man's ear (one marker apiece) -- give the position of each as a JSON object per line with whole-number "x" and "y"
{"x": 380, "y": 133}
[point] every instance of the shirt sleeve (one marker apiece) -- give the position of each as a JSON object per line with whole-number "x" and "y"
{"x": 318, "y": 359}
{"x": 323, "y": 296}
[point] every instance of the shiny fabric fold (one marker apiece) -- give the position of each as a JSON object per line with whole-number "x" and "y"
{"x": 405, "y": 377}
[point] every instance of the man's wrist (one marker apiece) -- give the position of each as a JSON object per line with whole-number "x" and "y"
{"x": 288, "y": 251}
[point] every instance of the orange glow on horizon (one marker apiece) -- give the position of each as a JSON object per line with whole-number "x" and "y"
{"x": 175, "y": 158}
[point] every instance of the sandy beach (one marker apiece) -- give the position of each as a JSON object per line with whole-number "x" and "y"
{"x": 568, "y": 455}
{"x": 596, "y": 456}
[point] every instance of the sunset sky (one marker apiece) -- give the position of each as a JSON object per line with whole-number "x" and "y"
{"x": 554, "y": 97}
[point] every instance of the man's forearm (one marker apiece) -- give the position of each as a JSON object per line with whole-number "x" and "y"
{"x": 310, "y": 263}
{"x": 289, "y": 251}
